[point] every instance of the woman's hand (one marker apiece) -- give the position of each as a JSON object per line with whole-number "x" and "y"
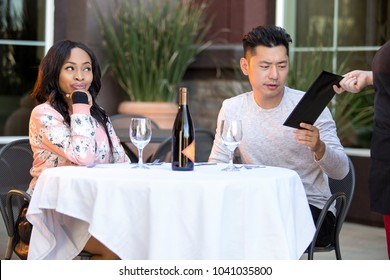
{"x": 354, "y": 81}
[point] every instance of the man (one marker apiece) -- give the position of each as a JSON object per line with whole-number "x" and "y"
{"x": 314, "y": 151}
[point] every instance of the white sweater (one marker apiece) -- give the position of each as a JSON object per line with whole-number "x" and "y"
{"x": 267, "y": 141}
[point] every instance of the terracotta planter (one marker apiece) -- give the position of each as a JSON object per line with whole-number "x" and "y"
{"x": 163, "y": 113}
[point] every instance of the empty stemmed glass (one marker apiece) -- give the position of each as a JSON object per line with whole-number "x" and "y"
{"x": 140, "y": 133}
{"x": 231, "y": 134}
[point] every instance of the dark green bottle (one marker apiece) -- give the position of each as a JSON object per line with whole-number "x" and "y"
{"x": 183, "y": 136}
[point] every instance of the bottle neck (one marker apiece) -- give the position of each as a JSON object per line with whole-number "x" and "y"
{"x": 183, "y": 98}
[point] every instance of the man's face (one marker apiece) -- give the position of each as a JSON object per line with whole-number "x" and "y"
{"x": 267, "y": 70}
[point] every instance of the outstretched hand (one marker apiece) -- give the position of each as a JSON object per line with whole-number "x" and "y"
{"x": 354, "y": 81}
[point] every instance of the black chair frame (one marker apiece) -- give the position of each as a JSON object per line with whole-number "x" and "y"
{"x": 342, "y": 193}
{"x": 119, "y": 121}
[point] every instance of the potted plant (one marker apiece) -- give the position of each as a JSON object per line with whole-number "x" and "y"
{"x": 149, "y": 47}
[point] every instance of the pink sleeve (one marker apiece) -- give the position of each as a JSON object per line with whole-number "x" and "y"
{"x": 75, "y": 143}
{"x": 81, "y": 108}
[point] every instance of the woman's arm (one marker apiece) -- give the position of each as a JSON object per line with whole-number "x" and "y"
{"x": 76, "y": 143}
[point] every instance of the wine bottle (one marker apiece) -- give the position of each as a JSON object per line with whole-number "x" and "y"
{"x": 183, "y": 136}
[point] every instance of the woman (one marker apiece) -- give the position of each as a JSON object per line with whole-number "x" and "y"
{"x": 68, "y": 127}
{"x": 379, "y": 181}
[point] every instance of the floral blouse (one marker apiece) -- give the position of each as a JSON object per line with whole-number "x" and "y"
{"x": 55, "y": 143}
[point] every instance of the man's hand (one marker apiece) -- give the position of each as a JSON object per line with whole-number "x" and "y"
{"x": 309, "y": 136}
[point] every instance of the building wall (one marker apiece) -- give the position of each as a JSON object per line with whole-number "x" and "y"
{"x": 75, "y": 20}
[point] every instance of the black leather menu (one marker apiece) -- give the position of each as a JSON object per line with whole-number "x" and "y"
{"x": 314, "y": 101}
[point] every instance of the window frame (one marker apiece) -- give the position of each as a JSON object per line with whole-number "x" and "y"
{"x": 49, "y": 31}
{"x": 286, "y": 18}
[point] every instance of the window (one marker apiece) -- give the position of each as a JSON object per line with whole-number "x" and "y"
{"x": 337, "y": 36}
{"x": 347, "y": 32}
{"x": 26, "y": 28}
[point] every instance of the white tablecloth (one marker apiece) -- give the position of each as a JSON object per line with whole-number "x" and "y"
{"x": 158, "y": 213}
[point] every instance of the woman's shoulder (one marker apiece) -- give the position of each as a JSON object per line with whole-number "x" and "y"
{"x": 45, "y": 109}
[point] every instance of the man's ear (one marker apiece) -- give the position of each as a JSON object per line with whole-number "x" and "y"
{"x": 244, "y": 65}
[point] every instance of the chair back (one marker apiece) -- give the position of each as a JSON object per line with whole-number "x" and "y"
{"x": 342, "y": 193}
{"x": 120, "y": 121}
{"x": 204, "y": 140}
{"x": 16, "y": 160}
{"x": 346, "y": 186}
{"x": 163, "y": 152}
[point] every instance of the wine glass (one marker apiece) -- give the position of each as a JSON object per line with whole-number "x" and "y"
{"x": 140, "y": 134}
{"x": 231, "y": 134}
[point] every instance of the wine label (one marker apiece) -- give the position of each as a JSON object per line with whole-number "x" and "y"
{"x": 189, "y": 151}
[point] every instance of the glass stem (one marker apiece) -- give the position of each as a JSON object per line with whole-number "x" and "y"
{"x": 140, "y": 161}
{"x": 231, "y": 159}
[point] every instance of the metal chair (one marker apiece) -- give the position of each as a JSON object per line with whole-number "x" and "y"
{"x": 16, "y": 160}
{"x": 122, "y": 121}
{"x": 204, "y": 140}
{"x": 342, "y": 192}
